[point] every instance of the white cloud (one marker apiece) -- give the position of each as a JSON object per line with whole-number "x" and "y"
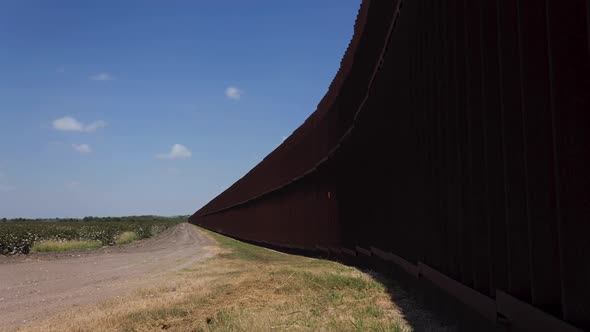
{"x": 102, "y": 77}
{"x": 95, "y": 125}
{"x": 233, "y": 93}
{"x": 70, "y": 124}
{"x": 82, "y": 148}
{"x": 178, "y": 151}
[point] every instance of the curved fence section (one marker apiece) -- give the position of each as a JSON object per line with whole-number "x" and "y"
{"x": 454, "y": 143}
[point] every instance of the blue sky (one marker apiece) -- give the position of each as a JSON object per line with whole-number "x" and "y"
{"x": 153, "y": 107}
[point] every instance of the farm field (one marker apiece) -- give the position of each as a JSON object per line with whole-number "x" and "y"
{"x": 21, "y": 236}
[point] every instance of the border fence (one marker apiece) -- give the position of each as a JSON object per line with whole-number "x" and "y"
{"x": 454, "y": 143}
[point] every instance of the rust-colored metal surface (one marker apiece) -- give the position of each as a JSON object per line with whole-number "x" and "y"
{"x": 453, "y": 142}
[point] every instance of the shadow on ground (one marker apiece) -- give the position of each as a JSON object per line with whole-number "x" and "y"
{"x": 424, "y": 306}
{"x": 427, "y": 308}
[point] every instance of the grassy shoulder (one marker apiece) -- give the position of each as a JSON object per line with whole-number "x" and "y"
{"x": 127, "y": 237}
{"x": 247, "y": 288}
{"x": 59, "y": 246}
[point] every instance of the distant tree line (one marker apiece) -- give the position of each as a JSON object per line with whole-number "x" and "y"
{"x": 100, "y": 219}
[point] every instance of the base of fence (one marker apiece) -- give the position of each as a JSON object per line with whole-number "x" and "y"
{"x": 408, "y": 267}
{"x": 523, "y": 316}
{"x": 482, "y": 304}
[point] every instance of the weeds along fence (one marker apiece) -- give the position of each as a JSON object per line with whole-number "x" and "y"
{"x": 454, "y": 142}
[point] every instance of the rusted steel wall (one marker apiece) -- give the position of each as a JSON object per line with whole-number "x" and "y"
{"x": 454, "y": 142}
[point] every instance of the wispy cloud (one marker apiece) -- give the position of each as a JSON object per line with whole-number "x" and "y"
{"x": 233, "y": 93}
{"x": 70, "y": 124}
{"x": 102, "y": 77}
{"x": 178, "y": 151}
{"x": 82, "y": 148}
{"x": 95, "y": 125}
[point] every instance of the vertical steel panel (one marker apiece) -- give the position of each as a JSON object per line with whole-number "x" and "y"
{"x": 541, "y": 206}
{"x": 494, "y": 147}
{"x": 467, "y": 272}
{"x": 516, "y": 216}
{"x": 457, "y": 35}
{"x": 452, "y": 178}
{"x": 477, "y": 147}
{"x": 570, "y": 74}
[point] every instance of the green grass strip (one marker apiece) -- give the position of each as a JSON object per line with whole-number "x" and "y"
{"x": 55, "y": 246}
{"x": 127, "y": 237}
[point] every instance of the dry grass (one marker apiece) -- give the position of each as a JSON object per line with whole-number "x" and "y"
{"x": 126, "y": 237}
{"x": 246, "y": 288}
{"x": 59, "y": 246}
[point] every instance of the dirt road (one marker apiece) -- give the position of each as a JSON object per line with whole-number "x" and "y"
{"x": 38, "y": 285}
